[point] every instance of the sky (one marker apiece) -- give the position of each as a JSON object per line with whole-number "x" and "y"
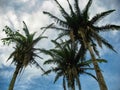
{"x": 13, "y": 12}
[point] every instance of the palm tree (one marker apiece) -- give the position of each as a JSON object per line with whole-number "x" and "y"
{"x": 64, "y": 57}
{"x": 80, "y": 28}
{"x": 24, "y": 51}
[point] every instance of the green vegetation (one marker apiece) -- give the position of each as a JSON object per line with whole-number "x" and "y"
{"x": 24, "y": 51}
{"x": 81, "y": 29}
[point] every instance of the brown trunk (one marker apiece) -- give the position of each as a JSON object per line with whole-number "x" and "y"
{"x": 73, "y": 86}
{"x": 11, "y": 86}
{"x": 99, "y": 75}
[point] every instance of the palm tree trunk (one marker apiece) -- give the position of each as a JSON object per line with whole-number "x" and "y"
{"x": 99, "y": 75}
{"x": 11, "y": 86}
{"x": 73, "y": 85}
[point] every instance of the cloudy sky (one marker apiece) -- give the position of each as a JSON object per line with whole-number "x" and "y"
{"x": 13, "y": 12}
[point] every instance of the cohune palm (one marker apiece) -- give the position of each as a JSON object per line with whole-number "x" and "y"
{"x": 64, "y": 57}
{"x": 24, "y": 52}
{"x": 80, "y": 28}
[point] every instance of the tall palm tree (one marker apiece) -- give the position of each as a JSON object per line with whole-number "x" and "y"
{"x": 24, "y": 51}
{"x": 64, "y": 57}
{"x": 80, "y": 28}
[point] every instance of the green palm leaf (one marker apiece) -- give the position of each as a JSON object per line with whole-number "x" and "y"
{"x": 26, "y": 29}
{"x": 63, "y": 12}
{"x": 59, "y": 74}
{"x": 85, "y": 11}
{"x": 100, "y": 16}
{"x": 59, "y": 21}
{"x": 91, "y": 75}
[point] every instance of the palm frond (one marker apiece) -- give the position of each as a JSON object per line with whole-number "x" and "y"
{"x": 20, "y": 36}
{"x": 108, "y": 45}
{"x": 38, "y": 39}
{"x": 35, "y": 55}
{"x": 50, "y": 61}
{"x": 91, "y": 75}
{"x": 108, "y": 27}
{"x": 47, "y": 52}
{"x": 31, "y": 37}
{"x": 98, "y": 60}
{"x": 72, "y": 12}
{"x": 62, "y": 34}
{"x": 57, "y": 20}
{"x": 78, "y": 82}
{"x": 100, "y": 16}
{"x": 63, "y": 12}
{"x": 11, "y": 55}
{"x": 64, "y": 84}
{"x": 81, "y": 54}
{"x": 95, "y": 50}
{"x": 37, "y": 65}
{"x": 56, "y": 44}
{"x": 77, "y": 9}
{"x": 47, "y": 72}
{"x": 59, "y": 74}
{"x": 85, "y": 11}
{"x": 47, "y": 27}
{"x": 57, "y": 28}
{"x": 26, "y": 29}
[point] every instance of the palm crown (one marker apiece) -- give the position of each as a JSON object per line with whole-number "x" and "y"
{"x": 80, "y": 28}
{"x": 24, "y": 51}
{"x": 66, "y": 65}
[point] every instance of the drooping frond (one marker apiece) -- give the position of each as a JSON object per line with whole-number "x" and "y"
{"x": 91, "y": 75}
{"x": 62, "y": 34}
{"x": 57, "y": 44}
{"x": 108, "y": 45}
{"x": 64, "y": 84}
{"x": 59, "y": 74}
{"x": 103, "y": 41}
{"x": 37, "y": 65}
{"x": 78, "y": 82}
{"x": 81, "y": 54}
{"x": 47, "y": 52}
{"x": 35, "y": 55}
{"x": 47, "y": 72}
{"x": 95, "y": 50}
{"x": 11, "y": 55}
{"x": 100, "y": 16}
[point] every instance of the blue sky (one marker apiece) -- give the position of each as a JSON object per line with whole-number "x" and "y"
{"x": 13, "y": 12}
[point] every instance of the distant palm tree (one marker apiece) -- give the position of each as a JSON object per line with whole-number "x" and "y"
{"x": 80, "y": 28}
{"x": 64, "y": 57}
{"x": 24, "y": 51}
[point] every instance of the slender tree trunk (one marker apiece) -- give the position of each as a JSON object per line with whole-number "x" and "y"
{"x": 64, "y": 83}
{"x": 11, "y": 86}
{"x": 73, "y": 85}
{"x": 99, "y": 75}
